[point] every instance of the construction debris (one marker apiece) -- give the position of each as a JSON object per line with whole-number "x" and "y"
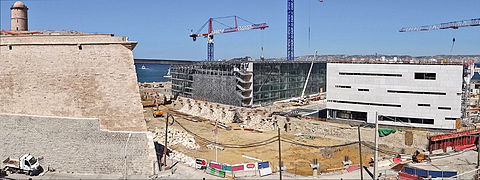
{"x": 176, "y": 137}
{"x": 178, "y": 156}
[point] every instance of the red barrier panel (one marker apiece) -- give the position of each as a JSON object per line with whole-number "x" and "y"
{"x": 454, "y": 140}
{"x": 402, "y": 175}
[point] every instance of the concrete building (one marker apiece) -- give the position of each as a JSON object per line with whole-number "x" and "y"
{"x": 19, "y": 17}
{"x": 72, "y": 98}
{"x": 412, "y": 94}
{"x": 247, "y": 83}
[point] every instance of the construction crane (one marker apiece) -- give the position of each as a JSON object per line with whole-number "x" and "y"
{"x": 291, "y": 29}
{"x": 211, "y": 32}
{"x": 448, "y": 25}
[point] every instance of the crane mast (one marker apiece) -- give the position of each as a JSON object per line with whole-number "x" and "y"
{"x": 290, "y": 30}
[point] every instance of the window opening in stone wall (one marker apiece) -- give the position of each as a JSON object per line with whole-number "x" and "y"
{"x": 424, "y": 105}
{"x": 445, "y": 108}
{"x": 363, "y": 90}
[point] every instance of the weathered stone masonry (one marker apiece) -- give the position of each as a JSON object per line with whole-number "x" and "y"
{"x": 71, "y": 75}
{"x": 75, "y": 145}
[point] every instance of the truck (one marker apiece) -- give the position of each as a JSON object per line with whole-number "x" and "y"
{"x": 26, "y": 164}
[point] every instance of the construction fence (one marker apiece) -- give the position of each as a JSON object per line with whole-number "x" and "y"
{"x": 236, "y": 170}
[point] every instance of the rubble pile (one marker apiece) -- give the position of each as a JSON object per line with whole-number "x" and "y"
{"x": 226, "y": 114}
{"x": 208, "y": 111}
{"x": 178, "y": 156}
{"x": 260, "y": 122}
{"x": 176, "y": 137}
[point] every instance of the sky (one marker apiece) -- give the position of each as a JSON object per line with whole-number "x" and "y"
{"x": 352, "y": 27}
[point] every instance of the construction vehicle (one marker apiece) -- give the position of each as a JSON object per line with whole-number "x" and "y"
{"x": 26, "y": 164}
{"x": 303, "y": 100}
{"x": 156, "y": 110}
{"x": 157, "y": 113}
{"x": 2, "y": 173}
{"x": 419, "y": 157}
{"x": 299, "y": 102}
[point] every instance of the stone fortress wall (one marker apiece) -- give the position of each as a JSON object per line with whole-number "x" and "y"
{"x": 73, "y": 98}
{"x": 75, "y": 145}
{"x": 71, "y": 75}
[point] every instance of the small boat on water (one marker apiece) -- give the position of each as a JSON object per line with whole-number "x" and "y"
{"x": 168, "y": 74}
{"x": 143, "y": 67}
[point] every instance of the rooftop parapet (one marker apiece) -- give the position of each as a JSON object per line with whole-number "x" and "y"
{"x": 413, "y": 62}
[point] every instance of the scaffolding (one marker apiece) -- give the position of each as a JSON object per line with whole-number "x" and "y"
{"x": 247, "y": 83}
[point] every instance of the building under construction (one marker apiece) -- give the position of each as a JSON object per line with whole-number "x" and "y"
{"x": 247, "y": 83}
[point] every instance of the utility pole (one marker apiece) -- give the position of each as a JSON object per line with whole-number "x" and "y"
{"x": 164, "y": 156}
{"x": 216, "y": 142}
{"x": 376, "y": 147}
{"x": 360, "y": 151}
{"x": 215, "y": 133}
{"x": 478, "y": 155}
{"x": 279, "y": 153}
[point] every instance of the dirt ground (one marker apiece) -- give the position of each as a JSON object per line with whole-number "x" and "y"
{"x": 296, "y": 158}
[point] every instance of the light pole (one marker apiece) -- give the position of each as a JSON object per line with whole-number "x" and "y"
{"x": 279, "y": 153}
{"x": 375, "y": 167}
{"x": 360, "y": 151}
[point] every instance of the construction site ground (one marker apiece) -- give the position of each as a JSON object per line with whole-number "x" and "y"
{"x": 296, "y": 158}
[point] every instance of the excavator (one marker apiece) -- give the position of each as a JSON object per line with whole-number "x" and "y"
{"x": 419, "y": 157}
{"x": 156, "y": 110}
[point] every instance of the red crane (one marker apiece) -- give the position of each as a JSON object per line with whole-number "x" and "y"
{"x": 448, "y": 25}
{"x": 229, "y": 29}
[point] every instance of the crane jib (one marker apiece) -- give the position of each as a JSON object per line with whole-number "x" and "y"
{"x": 448, "y": 25}
{"x": 240, "y": 28}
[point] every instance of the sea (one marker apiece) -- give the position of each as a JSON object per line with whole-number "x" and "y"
{"x": 152, "y": 72}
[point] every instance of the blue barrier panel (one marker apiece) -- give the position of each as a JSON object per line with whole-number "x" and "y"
{"x": 262, "y": 165}
{"x": 449, "y": 173}
{"x": 422, "y": 172}
{"x": 409, "y": 170}
{"x": 226, "y": 167}
{"x": 425, "y": 173}
{"x": 435, "y": 174}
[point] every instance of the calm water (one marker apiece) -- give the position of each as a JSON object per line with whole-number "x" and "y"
{"x": 152, "y": 72}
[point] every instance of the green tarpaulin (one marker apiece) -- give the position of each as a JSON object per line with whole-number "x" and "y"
{"x": 385, "y": 131}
